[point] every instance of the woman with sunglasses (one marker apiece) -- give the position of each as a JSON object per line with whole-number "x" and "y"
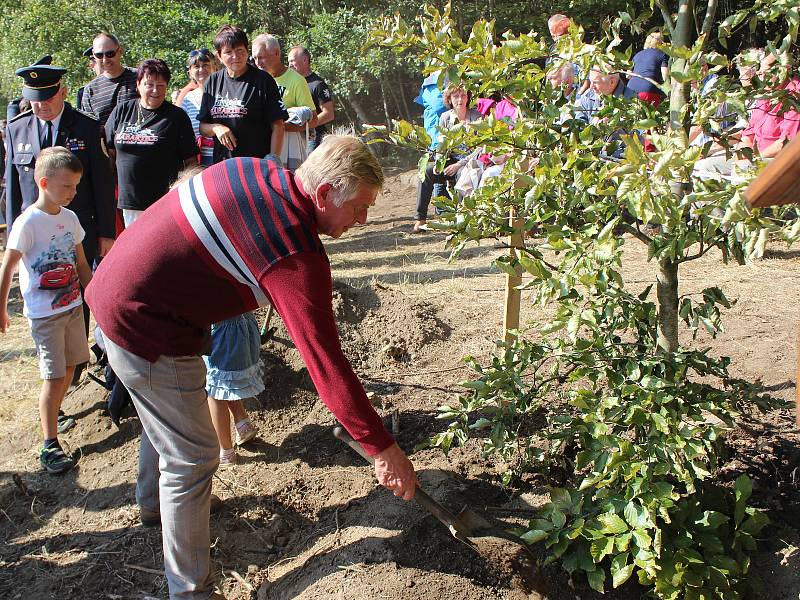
{"x": 115, "y": 84}
{"x": 150, "y": 140}
{"x": 200, "y": 63}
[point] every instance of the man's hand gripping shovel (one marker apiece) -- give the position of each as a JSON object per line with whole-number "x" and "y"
{"x": 465, "y": 526}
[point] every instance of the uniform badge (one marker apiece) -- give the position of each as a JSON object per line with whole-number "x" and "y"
{"x": 27, "y": 147}
{"x": 75, "y": 145}
{"x": 20, "y": 147}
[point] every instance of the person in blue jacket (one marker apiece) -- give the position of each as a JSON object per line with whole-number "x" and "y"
{"x": 432, "y": 102}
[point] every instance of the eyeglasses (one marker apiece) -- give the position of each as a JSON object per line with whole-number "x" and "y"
{"x": 106, "y": 54}
{"x": 200, "y": 52}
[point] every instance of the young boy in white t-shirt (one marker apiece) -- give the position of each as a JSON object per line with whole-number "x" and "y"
{"x": 47, "y": 237}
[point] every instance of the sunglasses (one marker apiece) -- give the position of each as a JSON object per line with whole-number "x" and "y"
{"x": 106, "y": 54}
{"x": 200, "y": 52}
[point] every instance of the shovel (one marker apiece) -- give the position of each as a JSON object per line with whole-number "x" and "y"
{"x": 465, "y": 525}
{"x": 267, "y": 333}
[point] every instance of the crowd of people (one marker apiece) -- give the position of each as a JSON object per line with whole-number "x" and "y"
{"x": 223, "y": 194}
{"x": 767, "y": 128}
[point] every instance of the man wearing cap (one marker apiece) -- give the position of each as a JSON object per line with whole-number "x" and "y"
{"x": 53, "y": 122}
{"x": 94, "y": 67}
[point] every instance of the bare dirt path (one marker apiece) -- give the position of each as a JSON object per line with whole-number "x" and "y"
{"x": 303, "y": 517}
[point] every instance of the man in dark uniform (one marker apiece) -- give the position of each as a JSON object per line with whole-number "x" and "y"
{"x": 53, "y": 122}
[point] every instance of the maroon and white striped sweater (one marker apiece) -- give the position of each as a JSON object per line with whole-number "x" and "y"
{"x": 237, "y": 236}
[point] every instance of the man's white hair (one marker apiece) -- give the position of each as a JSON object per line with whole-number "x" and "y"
{"x": 269, "y": 41}
{"x": 343, "y": 161}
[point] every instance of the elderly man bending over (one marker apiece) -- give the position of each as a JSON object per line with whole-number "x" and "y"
{"x": 242, "y": 234}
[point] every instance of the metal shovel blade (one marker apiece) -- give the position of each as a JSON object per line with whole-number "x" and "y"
{"x": 463, "y": 526}
{"x": 468, "y": 525}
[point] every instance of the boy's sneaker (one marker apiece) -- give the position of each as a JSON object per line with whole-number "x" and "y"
{"x": 245, "y": 431}
{"x": 65, "y": 423}
{"x": 55, "y": 460}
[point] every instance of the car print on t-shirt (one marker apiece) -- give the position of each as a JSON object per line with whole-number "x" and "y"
{"x": 56, "y": 276}
{"x": 57, "y": 272}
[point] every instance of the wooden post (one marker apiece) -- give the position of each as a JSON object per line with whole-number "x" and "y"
{"x": 513, "y": 294}
{"x": 797, "y": 385}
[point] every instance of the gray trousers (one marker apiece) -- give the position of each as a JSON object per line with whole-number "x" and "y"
{"x": 178, "y": 441}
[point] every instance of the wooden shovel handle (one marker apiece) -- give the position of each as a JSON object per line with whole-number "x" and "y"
{"x": 340, "y": 434}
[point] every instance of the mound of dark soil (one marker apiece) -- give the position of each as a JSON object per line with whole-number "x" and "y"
{"x": 381, "y": 326}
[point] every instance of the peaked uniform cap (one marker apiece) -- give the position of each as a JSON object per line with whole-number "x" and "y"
{"x": 41, "y": 79}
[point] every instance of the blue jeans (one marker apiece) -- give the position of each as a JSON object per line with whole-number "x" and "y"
{"x": 178, "y": 456}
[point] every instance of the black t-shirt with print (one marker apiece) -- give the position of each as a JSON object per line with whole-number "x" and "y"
{"x": 151, "y": 147}
{"x": 248, "y": 105}
{"x": 321, "y": 94}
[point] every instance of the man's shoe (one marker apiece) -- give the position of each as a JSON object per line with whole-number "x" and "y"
{"x": 65, "y": 423}
{"x": 55, "y": 460}
{"x": 150, "y": 518}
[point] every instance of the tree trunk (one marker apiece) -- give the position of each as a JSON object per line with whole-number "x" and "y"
{"x": 404, "y": 98}
{"x": 361, "y": 114}
{"x": 667, "y": 291}
{"x": 387, "y": 118}
{"x": 387, "y": 85}
{"x": 684, "y": 37}
{"x": 667, "y": 294}
{"x": 350, "y": 118}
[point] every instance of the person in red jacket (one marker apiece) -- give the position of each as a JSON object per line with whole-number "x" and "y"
{"x": 239, "y": 235}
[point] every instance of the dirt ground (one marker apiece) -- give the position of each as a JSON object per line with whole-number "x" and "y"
{"x": 303, "y": 517}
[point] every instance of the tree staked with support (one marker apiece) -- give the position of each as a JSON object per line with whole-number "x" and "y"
{"x": 625, "y": 397}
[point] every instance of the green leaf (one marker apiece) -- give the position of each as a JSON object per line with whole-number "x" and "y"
{"x": 743, "y": 488}
{"x": 631, "y": 513}
{"x": 620, "y": 569}
{"x": 422, "y": 165}
{"x": 600, "y": 547}
{"x": 597, "y": 580}
{"x": 642, "y": 538}
{"x": 559, "y": 519}
{"x": 481, "y": 423}
{"x": 712, "y": 519}
{"x": 560, "y": 497}
{"x": 757, "y": 521}
{"x": 613, "y": 523}
{"x": 725, "y": 564}
{"x": 623, "y": 541}
{"x": 533, "y": 536}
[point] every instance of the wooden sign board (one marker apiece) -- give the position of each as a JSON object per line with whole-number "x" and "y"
{"x": 779, "y": 183}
